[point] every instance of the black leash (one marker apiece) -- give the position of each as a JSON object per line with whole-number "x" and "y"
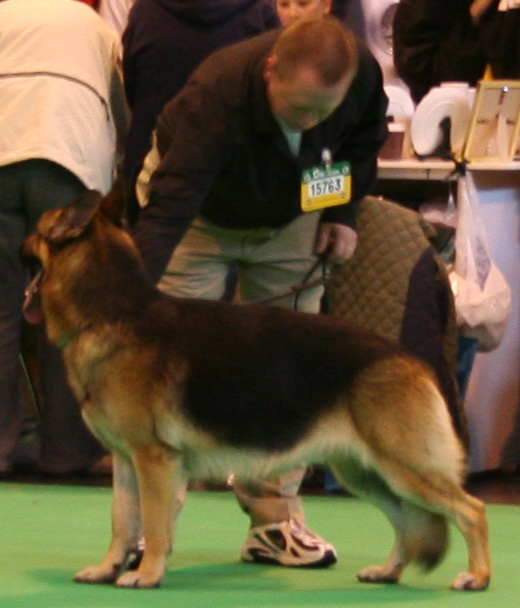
{"x": 296, "y": 290}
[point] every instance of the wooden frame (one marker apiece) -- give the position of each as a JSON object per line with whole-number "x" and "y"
{"x": 494, "y": 129}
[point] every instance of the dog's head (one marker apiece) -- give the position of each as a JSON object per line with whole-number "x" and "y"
{"x": 88, "y": 265}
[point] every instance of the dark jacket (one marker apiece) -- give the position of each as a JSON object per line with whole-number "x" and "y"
{"x": 164, "y": 42}
{"x": 436, "y": 41}
{"x": 501, "y": 42}
{"x": 225, "y": 157}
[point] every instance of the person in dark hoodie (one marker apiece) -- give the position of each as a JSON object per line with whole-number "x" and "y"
{"x": 441, "y": 40}
{"x": 164, "y": 41}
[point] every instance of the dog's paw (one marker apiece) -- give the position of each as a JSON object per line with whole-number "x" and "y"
{"x": 98, "y": 574}
{"x": 139, "y": 580}
{"x": 468, "y": 581}
{"x": 377, "y": 574}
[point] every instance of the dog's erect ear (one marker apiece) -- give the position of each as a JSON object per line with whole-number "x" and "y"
{"x": 74, "y": 218}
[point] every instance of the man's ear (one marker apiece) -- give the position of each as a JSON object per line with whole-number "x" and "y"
{"x": 269, "y": 67}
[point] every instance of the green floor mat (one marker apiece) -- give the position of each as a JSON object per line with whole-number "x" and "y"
{"x": 50, "y": 532}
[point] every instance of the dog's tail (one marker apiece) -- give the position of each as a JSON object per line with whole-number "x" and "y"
{"x": 424, "y": 535}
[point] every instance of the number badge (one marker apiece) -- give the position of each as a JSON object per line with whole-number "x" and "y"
{"x": 323, "y": 187}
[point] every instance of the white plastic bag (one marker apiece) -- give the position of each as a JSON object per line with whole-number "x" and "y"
{"x": 482, "y": 295}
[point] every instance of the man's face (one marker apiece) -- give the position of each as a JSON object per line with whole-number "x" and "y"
{"x": 290, "y": 11}
{"x": 301, "y": 101}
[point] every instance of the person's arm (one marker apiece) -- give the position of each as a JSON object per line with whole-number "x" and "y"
{"x": 191, "y": 136}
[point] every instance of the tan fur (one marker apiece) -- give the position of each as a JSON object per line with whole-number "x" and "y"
{"x": 387, "y": 436}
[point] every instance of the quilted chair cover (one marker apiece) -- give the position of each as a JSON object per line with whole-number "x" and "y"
{"x": 397, "y": 286}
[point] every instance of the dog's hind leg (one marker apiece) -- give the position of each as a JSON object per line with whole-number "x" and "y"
{"x": 159, "y": 475}
{"x": 406, "y": 436}
{"x": 370, "y": 486}
{"x": 437, "y": 492}
{"x": 125, "y": 525}
{"x": 421, "y": 537}
{"x": 470, "y": 518}
{"x": 418, "y": 506}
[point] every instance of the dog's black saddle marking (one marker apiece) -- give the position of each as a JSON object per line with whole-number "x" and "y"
{"x": 259, "y": 377}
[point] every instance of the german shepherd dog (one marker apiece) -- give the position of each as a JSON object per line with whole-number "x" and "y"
{"x": 188, "y": 388}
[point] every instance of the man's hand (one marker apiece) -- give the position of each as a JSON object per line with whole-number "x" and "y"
{"x": 337, "y": 240}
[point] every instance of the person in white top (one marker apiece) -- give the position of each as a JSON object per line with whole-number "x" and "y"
{"x": 63, "y": 117}
{"x": 115, "y": 13}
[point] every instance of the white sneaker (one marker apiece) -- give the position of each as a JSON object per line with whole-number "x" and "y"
{"x": 288, "y": 543}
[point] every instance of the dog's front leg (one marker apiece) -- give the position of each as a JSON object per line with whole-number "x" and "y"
{"x": 160, "y": 477}
{"x": 125, "y": 525}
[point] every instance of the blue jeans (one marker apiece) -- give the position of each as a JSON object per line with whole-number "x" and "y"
{"x": 27, "y": 190}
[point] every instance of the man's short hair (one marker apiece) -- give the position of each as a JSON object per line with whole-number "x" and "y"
{"x": 324, "y": 45}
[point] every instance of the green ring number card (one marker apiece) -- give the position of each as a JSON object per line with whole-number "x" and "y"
{"x": 326, "y": 186}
